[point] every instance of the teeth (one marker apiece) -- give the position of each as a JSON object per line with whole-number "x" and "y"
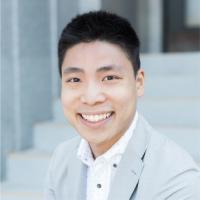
{"x": 96, "y": 118}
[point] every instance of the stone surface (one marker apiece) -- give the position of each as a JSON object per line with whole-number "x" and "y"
{"x": 49, "y": 134}
{"x": 28, "y": 167}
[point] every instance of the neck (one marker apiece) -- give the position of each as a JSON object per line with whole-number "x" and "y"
{"x": 100, "y": 149}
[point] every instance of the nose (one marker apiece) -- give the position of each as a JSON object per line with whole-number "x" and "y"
{"x": 92, "y": 94}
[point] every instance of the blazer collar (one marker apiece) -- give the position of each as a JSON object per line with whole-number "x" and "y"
{"x": 128, "y": 172}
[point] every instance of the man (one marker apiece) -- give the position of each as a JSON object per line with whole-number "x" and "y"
{"x": 119, "y": 156}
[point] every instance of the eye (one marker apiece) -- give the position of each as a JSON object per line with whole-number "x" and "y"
{"x": 110, "y": 78}
{"x": 73, "y": 80}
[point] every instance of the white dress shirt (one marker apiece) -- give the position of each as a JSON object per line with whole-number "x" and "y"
{"x": 100, "y": 172}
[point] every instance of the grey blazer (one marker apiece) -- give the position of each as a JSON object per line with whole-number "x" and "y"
{"x": 152, "y": 168}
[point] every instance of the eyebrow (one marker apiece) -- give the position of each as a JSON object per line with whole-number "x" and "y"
{"x": 109, "y": 68}
{"x": 69, "y": 70}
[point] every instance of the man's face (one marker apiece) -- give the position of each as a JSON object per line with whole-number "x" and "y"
{"x": 99, "y": 92}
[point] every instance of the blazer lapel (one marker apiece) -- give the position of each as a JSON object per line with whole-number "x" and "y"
{"x": 131, "y": 165}
{"x": 77, "y": 176}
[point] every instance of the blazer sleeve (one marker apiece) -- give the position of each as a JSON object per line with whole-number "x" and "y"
{"x": 190, "y": 192}
{"x": 196, "y": 189}
{"x": 49, "y": 191}
{"x": 49, "y": 187}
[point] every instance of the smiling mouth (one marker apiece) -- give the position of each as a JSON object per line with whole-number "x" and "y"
{"x": 94, "y": 118}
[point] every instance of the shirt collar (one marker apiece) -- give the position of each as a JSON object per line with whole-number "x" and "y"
{"x": 84, "y": 152}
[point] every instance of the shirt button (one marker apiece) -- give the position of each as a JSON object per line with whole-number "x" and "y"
{"x": 98, "y": 185}
{"x": 115, "y": 165}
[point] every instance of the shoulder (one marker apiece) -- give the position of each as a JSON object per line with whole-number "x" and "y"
{"x": 161, "y": 147}
{"x": 59, "y": 161}
{"x": 67, "y": 145}
{"x": 165, "y": 153}
{"x": 170, "y": 152}
{"x": 64, "y": 151}
{"x": 173, "y": 170}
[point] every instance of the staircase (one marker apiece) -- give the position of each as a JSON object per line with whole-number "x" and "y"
{"x": 171, "y": 104}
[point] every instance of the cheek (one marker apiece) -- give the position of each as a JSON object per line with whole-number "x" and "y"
{"x": 124, "y": 97}
{"x": 67, "y": 99}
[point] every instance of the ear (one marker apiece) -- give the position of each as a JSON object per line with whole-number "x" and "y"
{"x": 140, "y": 83}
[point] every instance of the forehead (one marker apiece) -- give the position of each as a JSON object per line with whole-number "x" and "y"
{"x": 95, "y": 54}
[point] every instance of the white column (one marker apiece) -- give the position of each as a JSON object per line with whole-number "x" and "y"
{"x": 16, "y": 73}
{"x": 155, "y": 22}
{"x": 53, "y": 7}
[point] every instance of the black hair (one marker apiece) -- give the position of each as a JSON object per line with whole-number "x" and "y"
{"x": 102, "y": 26}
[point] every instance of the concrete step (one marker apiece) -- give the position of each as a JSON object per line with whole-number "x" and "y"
{"x": 11, "y": 191}
{"x": 172, "y": 87}
{"x": 168, "y": 64}
{"x": 171, "y": 112}
{"x": 188, "y": 138}
{"x": 48, "y": 135}
{"x": 27, "y": 167}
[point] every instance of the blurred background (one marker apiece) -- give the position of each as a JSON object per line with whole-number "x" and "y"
{"x": 32, "y": 123}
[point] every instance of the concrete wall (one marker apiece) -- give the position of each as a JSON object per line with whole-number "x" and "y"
{"x": 7, "y": 79}
{"x": 146, "y": 18}
{"x": 26, "y": 94}
{"x": 29, "y": 71}
{"x": 125, "y": 8}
